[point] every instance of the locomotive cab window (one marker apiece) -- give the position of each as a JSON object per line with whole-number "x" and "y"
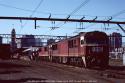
{"x": 95, "y": 41}
{"x": 82, "y": 41}
{"x": 54, "y": 47}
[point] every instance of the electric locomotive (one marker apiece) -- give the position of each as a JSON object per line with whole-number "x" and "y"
{"x": 87, "y": 49}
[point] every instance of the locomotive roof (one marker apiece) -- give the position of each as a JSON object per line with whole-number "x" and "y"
{"x": 85, "y": 33}
{"x": 81, "y": 33}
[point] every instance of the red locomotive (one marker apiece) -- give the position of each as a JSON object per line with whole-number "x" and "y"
{"x": 87, "y": 49}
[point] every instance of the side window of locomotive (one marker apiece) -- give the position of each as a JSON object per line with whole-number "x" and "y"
{"x": 74, "y": 43}
{"x": 54, "y": 47}
{"x": 45, "y": 48}
{"x": 39, "y": 49}
{"x": 70, "y": 43}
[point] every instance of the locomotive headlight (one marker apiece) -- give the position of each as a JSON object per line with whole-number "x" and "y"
{"x": 97, "y": 49}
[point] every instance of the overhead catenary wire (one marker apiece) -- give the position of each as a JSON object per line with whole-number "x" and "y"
{"x": 64, "y": 14}
{"x": 9, "y": 6}
{"x": 41, "y": 1}
{"x": 112, "y": 17}
{"x": 22, "y": 9}
{"x": 119, "y": 13}
{"x": 116, "y": 15}
{"x": 75, "y": 10}
{"x": 79, "y": 7}
{"x": 72, "y": 15}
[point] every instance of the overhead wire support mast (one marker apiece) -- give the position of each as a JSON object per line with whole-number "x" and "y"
{"x": 35, "y": 24}
{"x": 61, "y": 19}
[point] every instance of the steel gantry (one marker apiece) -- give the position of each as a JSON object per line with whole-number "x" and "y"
{"x": 65, "y": 19}
{"x": 109, "y": 21}
{"x": 68, "y": 19}
{"x": 43, "y": 37}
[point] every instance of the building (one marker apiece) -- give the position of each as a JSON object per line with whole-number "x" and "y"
{"x": 18, "y": 42}
{"x": 50, "y": 41}
{"x": 38, "y": 42}
{"x": 115, "y": 40}
{"x": 28, "y": 41}
{"x": 1, "y": 40}
{"x": 117, "y": 53}
{"x": 13, "y": 40}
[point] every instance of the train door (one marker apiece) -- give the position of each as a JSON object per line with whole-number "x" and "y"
{"x": 82, "y": 52}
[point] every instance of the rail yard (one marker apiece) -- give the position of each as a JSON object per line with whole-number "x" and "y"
{"x": 78, "y": 59}
{"x": 46, "y": 72}
{"x": 62, "y": 41}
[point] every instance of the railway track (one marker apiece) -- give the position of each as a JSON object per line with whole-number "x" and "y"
{"x": 102, "y": 74}
{"x": 46, "y": 71}
{"x": 111, "y": 73}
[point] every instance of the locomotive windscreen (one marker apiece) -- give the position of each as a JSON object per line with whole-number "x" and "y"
{"x": 96, "y": 38}
{"x": 95, "y": 41}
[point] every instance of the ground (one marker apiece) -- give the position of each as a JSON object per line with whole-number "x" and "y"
{"x": 32, "y": 71}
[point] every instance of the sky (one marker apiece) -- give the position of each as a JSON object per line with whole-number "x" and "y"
{"x": 103, "y": 9}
